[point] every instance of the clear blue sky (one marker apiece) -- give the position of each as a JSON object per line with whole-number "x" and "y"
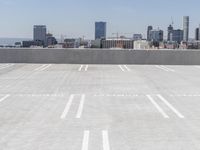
{"x": 76, "y": 18}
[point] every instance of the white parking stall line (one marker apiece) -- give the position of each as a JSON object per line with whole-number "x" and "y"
{"x": 85, "y": 140}
{"x": 121, "y": 68}
{"x": 170, "y": 106}
{"x": 86, "y": 67}
{"x": 83, "y": 68}
{"x": 44, "y": 68}
{"x": 67, "y": 107}
{"x": 80, "y": 68}
{"x": 106, "y": 145}
{"x": 157, "y": 106}
{"x": 37, "y": 69}
{"x": 4, "y": 98}
{"x": 157, "y": 66}
{"x": 6, "y": 66}
{"x": 167, "y": 68}
{"x": 80, "y": 109}
{"x": 125, "y": 66}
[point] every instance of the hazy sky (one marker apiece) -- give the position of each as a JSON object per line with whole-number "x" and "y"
{"x": 75, "y": 18}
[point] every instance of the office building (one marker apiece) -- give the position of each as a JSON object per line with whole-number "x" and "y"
{"x": 197, "y": 34}
{"x": 50, "y": 40}
{"x": 169, "y": 30}
{"x": 39, "y": 33}
{"x": 185, "y": 28}
{"x": 176, "y": 36}
{"x": 149, "y": 28}
{"x": 156, "y": 35}
{"x": 100, "y": 30}
{"x": 137, "y": 37}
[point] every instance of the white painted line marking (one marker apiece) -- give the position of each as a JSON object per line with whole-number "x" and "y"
{"x": 86, "y": 67}
{"x": 106, "y": 145}
{"x": 80, "y": 68}
{"x": 125, "y": 66}
{"x": 162, "y": 68}
{"x": 80, "y": 109}
{"x": 45, "y": 67}
{"x": 121, "y": 68}
{"x": 67, "y": 107}
{"x": 4, "y": 98}
{"x": 157, "y": 106}
{"x": 170, "y": 106}
{"x": 85, "y": 140}
{"x": 40, "y": 67}
{"x": 6, "y": 66}
{"x": 168, "y": 68}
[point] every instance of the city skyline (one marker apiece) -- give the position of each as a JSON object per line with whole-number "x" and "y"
{"x": 123, "y": 17}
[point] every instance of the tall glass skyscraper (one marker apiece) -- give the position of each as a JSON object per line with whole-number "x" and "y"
{"x": 39, "y": 33}
{"x": 100, "y": 30}
{"x": 149, "y": 28}
{"x": 185, "y": 28}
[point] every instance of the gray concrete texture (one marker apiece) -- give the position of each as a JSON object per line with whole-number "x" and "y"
{"x": 103, "y": 56}
{"x": 99, "y": 107}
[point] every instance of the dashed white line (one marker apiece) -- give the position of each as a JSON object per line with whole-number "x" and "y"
{"x": 67, "y": 107}
{"x": 4, "y": 98}
{"x": 106, "y": 145}
{"x": 85, "y": 140}
{"x": 157, "y": 106}
{"x": 170, "y": 106}
{"x": 80, "y": 109}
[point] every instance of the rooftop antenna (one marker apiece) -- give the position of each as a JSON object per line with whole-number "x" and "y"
{"x": 172, "y": 21}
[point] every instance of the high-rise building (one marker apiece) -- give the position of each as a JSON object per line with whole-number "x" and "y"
{"x": 39, "y": 33}
{"x": 185, "y": 28}
{"x": 176, "y": 36}
{"x": 100, "y": 30}
{"x": 149, "y": 28}
{"x": 169, "y": 30}
{"x": 156, "y": 35}
{"x": 197, "y": 34}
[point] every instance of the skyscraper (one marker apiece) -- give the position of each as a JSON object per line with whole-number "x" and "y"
{"x": 156, "y": 35}
{"x": 169, "y": 30}
{"x": 39, "y": 33}
{"x": 149, "y": 28}
{"x": 185, "y": 28}
{"x": 100, "y": 30}
{"x": 197, "y": 34}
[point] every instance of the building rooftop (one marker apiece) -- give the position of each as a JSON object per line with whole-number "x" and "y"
{"x": 109, "y": 107}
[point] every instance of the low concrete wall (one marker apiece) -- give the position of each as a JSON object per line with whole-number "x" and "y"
{"x": 95, "y": 56}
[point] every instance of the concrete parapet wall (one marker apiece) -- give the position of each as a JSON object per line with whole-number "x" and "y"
{"x": 103, "y": 56}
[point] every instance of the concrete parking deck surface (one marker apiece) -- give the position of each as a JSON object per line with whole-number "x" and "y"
{"x": 99, "y": 107}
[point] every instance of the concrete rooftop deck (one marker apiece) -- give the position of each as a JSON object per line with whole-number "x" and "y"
{"x": 99, "y": 107}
